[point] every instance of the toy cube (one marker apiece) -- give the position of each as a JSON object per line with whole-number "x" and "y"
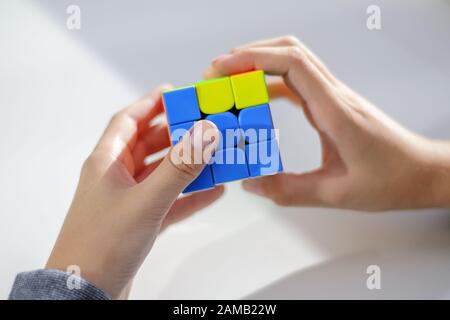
{"x": 238, "y": 105}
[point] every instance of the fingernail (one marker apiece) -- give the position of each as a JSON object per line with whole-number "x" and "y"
{"x": 204, "y": 134}
{"x": 221, "y": 58}
{"x": 253, "y": 186}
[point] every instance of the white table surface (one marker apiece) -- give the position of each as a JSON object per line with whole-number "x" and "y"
{"x": 58, "y": 89}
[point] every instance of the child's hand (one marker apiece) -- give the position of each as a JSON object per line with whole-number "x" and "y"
{"x": 369, "y": 161}
{"x": 121, "y": 203}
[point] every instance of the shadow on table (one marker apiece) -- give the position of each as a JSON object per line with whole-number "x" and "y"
{"x": 411, "y": 275}
{"x": 411, "y": 248}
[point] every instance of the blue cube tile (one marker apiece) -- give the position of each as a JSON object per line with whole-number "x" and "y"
{"x": 178, "y": 131}
{"x": 256, "y": 123}
{"x": 228, "y": 125}
{"x": 263, "y": 158}
{"x": 181, "y": 105}
{"x": 229, "y": 165}
{"x": 202, "y": 182}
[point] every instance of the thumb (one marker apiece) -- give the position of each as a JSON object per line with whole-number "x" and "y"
{"x": 183, "y": 163}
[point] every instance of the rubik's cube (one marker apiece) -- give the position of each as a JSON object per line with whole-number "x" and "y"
{"x": 239, "y": 104}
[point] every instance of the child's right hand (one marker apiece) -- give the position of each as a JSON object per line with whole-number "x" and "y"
{"x": 369, "y": 162}
{"x": 122, "y": 203}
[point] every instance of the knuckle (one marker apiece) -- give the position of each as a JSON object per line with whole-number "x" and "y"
{"x": 290, "y": 40}
{"x": 244, "y": 52}
{"x": 117, "y": 117}
{"x": 186, "y": 171}
{"x": 122, "y": 119}
{"x": 91, "y": 164}
{"x": 296, "y": 54}
{"x": 88, "y": 162}
{"x": 86, "y": 165}
{"x": 183, "y": 159}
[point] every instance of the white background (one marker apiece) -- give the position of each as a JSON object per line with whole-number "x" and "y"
{"x": 58, "y": 89}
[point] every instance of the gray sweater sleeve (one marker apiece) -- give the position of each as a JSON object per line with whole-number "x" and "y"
{"x": 49, "y": 284}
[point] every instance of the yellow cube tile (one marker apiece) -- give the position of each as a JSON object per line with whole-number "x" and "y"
{"x": 249, "y": 89}
{"x": 215, "y": 95}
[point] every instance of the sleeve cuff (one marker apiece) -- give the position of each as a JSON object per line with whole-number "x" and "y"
{"x": 50, "y": 284}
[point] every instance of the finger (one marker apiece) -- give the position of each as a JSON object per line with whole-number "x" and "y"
{"x": 186, "y": 206}
{"x": 180, "y": 166}
{"x": 123, "y": 127}
{"x": 288, "y": 189}
{"x": 278, "y": 89}
{"x": 140, "y": 111}
{"x": 154, "y": 139}
{"x": 283, "y": 41}
{"x": 288, "y": 62}
{"x": 286, "y": 41}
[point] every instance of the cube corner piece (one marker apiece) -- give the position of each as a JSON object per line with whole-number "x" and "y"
{"x": 249, "y": 89}
{"x": 181, "y": 105}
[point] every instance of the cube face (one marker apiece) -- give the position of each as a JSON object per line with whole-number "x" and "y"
{"x": 215, "y": 95}
{"x": 263, "y": 158}
{"x": 249, "y": 89}
{"x": 256, "y": 122}
{"x": 237, "y": 104}
{"x": 228, "y": 125}
{"x": 181, "y": 105}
